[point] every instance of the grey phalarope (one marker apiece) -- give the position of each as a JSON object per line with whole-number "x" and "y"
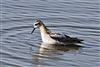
{"x": 53, "y": 38}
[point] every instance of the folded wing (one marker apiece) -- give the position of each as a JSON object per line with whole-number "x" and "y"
{"x": 64, "y": 38}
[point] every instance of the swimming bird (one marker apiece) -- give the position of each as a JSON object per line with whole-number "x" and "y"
{"x": 53, "y": 38}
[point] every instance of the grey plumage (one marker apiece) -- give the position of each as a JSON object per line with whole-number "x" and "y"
{"x": 64, "y": 38}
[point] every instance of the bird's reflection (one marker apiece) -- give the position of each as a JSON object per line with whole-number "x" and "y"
{"x": 52, "y": 51}
{"x": 52, "y": 48}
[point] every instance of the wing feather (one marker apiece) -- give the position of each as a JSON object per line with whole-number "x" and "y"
{"x": 59, "y": 37}
{"x": 64, "y": 38}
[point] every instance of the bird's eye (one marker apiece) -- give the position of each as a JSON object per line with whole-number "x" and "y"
{"x": 36, "y": 24}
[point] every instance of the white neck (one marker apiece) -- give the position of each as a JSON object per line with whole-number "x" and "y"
{"x": 44, "y": 33}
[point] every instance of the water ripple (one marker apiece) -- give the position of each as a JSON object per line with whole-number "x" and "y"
{"x": 77, "y": 18}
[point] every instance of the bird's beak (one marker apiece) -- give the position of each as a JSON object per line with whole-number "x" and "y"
{"x": 33, "y": 30}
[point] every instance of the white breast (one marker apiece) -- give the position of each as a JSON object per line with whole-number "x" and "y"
{"x": 47, "y": 39}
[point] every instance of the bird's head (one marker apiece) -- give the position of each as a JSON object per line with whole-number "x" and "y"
{"x": 37, "y": 24}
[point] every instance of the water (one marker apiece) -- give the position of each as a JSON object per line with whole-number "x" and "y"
{"x": 77, "y": 18}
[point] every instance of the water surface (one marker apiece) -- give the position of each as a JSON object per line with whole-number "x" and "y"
{"x": 76, "y": 18}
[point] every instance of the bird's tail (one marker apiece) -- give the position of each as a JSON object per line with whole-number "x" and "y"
{"x": 76, "y": 40}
